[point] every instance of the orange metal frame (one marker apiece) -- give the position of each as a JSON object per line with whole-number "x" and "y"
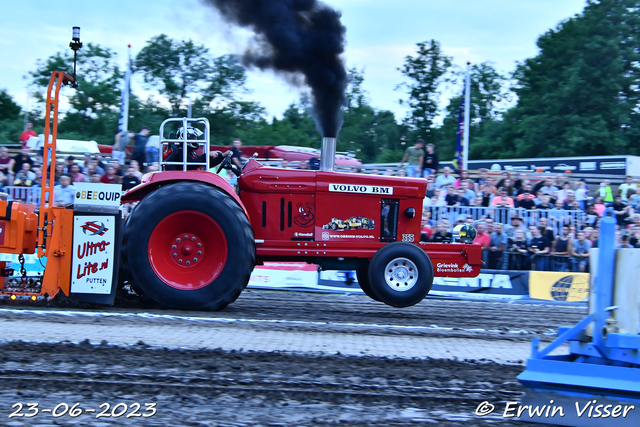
{"x": 55, "y": 224}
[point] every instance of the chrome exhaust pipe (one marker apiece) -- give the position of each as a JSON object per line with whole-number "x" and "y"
{"x": 328, "y": 155}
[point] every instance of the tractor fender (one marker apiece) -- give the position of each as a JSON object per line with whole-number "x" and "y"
{"x": 154, "y": 180}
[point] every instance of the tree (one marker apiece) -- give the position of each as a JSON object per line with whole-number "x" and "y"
{"x": 94, "y": 104}
{"x": 369, "y": 133}
{"x": 579, "y": 95}
{"x": 426, "y": 71}
{"x": 487, "y": 90}
{"x": 9, "y": 110}
{"x": 176, "y": 67}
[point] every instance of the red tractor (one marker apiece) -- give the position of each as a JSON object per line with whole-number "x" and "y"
{"x": 193, "y": 240}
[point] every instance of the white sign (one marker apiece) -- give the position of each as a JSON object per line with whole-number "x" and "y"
{"x": 362, "y": 189}
{"x": 93, "y": 248}
{"x": 453, "y": 267}
{"x": 89, "y": 193}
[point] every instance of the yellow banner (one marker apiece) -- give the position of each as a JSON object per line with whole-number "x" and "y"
{"x": 559, "y": 286}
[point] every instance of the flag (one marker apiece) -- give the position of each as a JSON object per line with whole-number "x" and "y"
{"x": 123, "y": 123}
{"x": 457, "y": 160}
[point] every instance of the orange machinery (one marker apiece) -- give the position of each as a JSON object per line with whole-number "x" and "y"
{"x": 22, "y": 230}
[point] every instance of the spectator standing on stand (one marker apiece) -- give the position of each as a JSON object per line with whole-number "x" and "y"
{"x": 441, "y": 235}
{"x": 484, "y": 240}
{"x": 624, "y": 188}
{"x": 605, "y": 191}
{"x": 139, "y": 145}
{"x": 110, "y": 177}
{"x": 64, "y": 193}
{"x": 561, "y": 250}
{"x": 25, "y": 135}
{"x": 539, "y": 247}
{"x": 481, "y": 181}
{"x": 431, "y": 163}
{"x": 25, "y": 177}
{"x": 580, "y": 251}
{"x": 74, "y": 173}
{"x": 620, "y": 210}
{"x": 414, "y": 156}
{"x": 123, "y": 139}
{"x": 130, "y": 180}
{"x": 20, "y": 159}
{"x": 6, "y": 164}
{"x": 519, "y": 252}
{"x": 445, "y": 179}
{"x": 451, "y": 198}
{"x": 464, "y": 175}
{"x": 502, "y": 199}
{"x": 498, "y": 243}
{"x": 469, "y": 194}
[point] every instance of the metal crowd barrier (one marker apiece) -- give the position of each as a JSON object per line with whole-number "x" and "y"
{"x": 557, "y": 218}
{"x": 518, "y": 261}
{"x": 23, "y": 194}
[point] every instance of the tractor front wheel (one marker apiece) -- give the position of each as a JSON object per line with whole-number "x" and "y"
{"x": 189, "y": 246}
{"x": 401, "y": 274}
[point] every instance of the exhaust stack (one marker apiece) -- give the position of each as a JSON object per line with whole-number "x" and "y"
{"x": 328, "y": 154}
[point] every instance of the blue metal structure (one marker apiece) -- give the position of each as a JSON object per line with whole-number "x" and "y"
{"x": 598, "y": 382}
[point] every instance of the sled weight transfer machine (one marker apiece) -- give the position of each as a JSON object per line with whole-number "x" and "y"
{"x": 598, "y": 382}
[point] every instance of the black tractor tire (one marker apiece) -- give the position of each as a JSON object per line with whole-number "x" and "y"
{"x": 201, "y": 211}
{"x": 392, "y": 274}
{"x": 362, "y": 273}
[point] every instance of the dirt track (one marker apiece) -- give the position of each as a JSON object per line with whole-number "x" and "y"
{"x": 216, "y": 388}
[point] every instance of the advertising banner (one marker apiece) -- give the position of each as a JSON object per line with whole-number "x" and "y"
{"x": 513, "y": 284}
{"x": 554, "y": 286}
{"x": 488, "y": 282}
{"x": 93, "y": 254}
{"x": 283, "y": 275}
{"x": 603, "y": 165}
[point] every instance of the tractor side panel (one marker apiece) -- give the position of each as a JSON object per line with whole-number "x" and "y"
{"x": 281, "y": 203}
{"x": 364, "y": 208}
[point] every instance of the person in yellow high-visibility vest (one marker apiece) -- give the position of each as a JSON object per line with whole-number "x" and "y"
{"x": 605, "y": 191}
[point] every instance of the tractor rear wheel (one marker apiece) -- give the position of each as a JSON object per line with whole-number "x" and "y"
{"x": 363, "y": 280}
{"x": 189, "y": 246}
{"x": 401, "y": 274}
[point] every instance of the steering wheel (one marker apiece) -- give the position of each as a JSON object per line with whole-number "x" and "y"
{"x": 226, "y": 164}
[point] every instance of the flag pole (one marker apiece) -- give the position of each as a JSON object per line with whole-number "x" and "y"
{"x": 467, "y": 121}
{"x": 127, "y": 91}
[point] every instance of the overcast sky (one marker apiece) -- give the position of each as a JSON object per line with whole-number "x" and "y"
{"x": 380, "y": 33}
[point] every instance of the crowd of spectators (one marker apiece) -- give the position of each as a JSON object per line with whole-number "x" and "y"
{"x": 544, "y": 224}
{"x": 551, "y": 224}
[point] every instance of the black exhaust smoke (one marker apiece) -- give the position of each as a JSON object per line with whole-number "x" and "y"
{"x": 297, "y": 36}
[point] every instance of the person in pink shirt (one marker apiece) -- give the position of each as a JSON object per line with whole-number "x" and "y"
{"x": 464, "y": 175}
{"x": 599, "y": 206}
{"x": 502, "y": 199}
{"x": 74, "y": 172}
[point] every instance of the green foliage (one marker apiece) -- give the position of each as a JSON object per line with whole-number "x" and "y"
{"x": 426, "y": 72}
{"x": 177, "y": 68}
{"x": 487, "y": 89}
{"x": 579, "y": 95}
{"x": 10, "y": 130}
{"x": 94, "y": 104}
{"x": 9, "y": 110}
